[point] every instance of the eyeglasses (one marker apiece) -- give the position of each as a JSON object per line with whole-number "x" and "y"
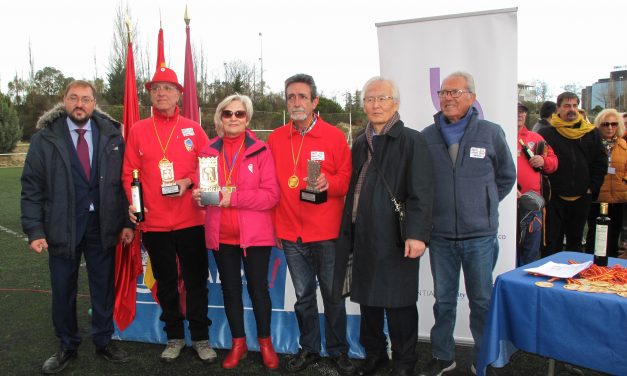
{"x": 608, "y": 124}
{"x": 379, "y": 99}
{"x": 162, "y": 87}
{"x": 453, "y": 93}
{"x": 74, "y": 99}
{"x": 226, "y": 114}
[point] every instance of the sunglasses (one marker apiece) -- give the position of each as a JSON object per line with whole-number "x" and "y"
{"x": 226, "y": 114}
{"x": 609, "y": 124}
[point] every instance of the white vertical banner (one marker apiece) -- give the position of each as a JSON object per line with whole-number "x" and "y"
{"x": 417, "y": 54}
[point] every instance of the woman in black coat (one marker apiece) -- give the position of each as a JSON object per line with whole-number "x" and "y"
{"x": 385, "y": 264}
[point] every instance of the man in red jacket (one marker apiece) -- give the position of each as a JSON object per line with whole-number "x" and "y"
{"x": 529, "y": 180}
{"x": 165, "y": 148}
{"x": 307, "y": 231}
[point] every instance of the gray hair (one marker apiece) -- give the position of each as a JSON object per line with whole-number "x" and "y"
{"x": 395, "y": 93}
{"x": 305, "y": 79}
{"x": 244, "y": 99}
{"x": 470, "y": 81}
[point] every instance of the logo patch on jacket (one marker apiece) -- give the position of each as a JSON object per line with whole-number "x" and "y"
{"x": 189, "y": 144}
{"x": 250, "y": 167}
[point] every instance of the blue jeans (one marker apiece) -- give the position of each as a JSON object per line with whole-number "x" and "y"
{"x": 306, "y": 261}
{"x": 477, "y": 257}
{"x": 529, "y": 238}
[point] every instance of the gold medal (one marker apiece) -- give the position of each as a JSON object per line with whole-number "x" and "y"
{"x": 543, "y": 284}
{"x": 292, "y": 182}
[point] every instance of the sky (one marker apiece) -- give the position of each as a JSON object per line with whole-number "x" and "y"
{"x": 335, "y": 41}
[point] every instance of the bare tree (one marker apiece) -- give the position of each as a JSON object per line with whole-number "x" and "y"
{"x": 573, "y": 87}
{"x": 542, "y": 91}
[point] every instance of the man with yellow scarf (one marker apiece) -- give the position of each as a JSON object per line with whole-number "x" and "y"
{"x": 579, "y": 176}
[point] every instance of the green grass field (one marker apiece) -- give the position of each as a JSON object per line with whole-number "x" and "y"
{"x": 27, "y": 337}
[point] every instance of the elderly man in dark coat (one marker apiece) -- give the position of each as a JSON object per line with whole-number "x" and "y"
{"x": 390, "y": 162}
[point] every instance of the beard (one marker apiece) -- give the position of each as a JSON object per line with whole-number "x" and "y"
{"x": 298, "y": 114}
{"x": 79, "y": 121}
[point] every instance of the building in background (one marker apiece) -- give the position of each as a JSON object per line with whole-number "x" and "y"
{"x": 526, "y": 92}
{"x": 607, "y": 92}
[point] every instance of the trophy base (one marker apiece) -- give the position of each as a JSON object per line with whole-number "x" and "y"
{"x": 210, "y": 198}
{"x": 169, "y": 190}
{"x": 313, "y": 197}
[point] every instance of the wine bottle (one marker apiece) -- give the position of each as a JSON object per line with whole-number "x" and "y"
{"x": 137, "y": 196}
{"x": 600, "y": 236}
{"x": 528, "y": 153}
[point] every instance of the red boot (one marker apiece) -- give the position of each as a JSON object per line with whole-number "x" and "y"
{"x": 237, "y": 353}
{"x": 270, "y": 359}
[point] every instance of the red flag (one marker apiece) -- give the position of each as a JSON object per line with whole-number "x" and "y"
{"x": 160, "y": 54}
{"x": 190, "y": 100}
{"x": 128, "y": 263}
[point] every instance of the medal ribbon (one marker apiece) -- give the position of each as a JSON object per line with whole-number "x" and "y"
{"x": 303, "y": 134}
{"x": 163, "y": 149}
{"x": 229, "y": 166}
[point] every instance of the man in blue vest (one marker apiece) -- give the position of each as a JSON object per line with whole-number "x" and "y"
{"x": 73, "y": 205}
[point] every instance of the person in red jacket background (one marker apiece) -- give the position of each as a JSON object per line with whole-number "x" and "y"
{"x": 529, "y": 180}
{"x": 307, "y": 231}
{"x": 164, "y": 148}
{"x": 239, "y": 230}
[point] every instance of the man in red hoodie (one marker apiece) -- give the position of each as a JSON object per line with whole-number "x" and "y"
{"x": 164, "y": 149}
{"x": 529, "y": 180}
{"x": 307, "y": 231}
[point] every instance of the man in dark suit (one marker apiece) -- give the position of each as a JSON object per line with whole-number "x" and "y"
{"x": 73, "y": 204}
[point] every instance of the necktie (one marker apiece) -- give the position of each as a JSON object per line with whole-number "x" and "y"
{"x": 83, "y": 152}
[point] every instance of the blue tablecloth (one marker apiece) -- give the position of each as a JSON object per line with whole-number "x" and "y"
{"x": 585, "y": 329}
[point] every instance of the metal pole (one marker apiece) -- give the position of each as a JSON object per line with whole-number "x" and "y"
{"x": 261, "y": 61}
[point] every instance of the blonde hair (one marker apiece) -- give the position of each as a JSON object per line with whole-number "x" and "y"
{"x": 611, "y": 112}
{"x": 244, "y": 99}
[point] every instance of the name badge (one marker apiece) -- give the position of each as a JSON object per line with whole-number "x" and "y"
{"x": 317, "y": 156}
{"x": 188, "y": 131}
{"x": 477, "y": 152}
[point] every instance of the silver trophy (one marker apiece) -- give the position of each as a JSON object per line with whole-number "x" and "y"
{"x": 209, "y": 187}
{"x": 310, "y": 193}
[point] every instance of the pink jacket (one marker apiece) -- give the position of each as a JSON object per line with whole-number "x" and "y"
{"x": 256, "y": 195}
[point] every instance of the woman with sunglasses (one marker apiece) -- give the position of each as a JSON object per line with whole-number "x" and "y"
{"x": 240, "y": 227}
{"x": 614, "y": 189}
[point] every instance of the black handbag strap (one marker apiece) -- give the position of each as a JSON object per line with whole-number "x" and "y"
{"x": 397, "y": 204}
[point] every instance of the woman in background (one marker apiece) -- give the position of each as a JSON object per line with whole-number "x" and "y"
{"x": 614, "y": 189}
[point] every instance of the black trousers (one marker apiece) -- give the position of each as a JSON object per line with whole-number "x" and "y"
{"x": 229, "y": 259}
{"x": 615, "y": 212}
{"x": 403, "y": 330}
{"x": 64, "y": 277}
{"x": 565, "y": 218}
{"x": 189, "y": 245}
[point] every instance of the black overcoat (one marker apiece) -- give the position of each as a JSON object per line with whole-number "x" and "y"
{"x": 382, "y": 276}
{"x": 48, "y": 197}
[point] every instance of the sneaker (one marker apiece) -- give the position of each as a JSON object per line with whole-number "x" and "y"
{"x": 204, "y": 350}
{"x": 343, "y": 364}
{"x": 437, "y": 367}
{"x": 301, "y": 361}
{"x": 172, "y": 350}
